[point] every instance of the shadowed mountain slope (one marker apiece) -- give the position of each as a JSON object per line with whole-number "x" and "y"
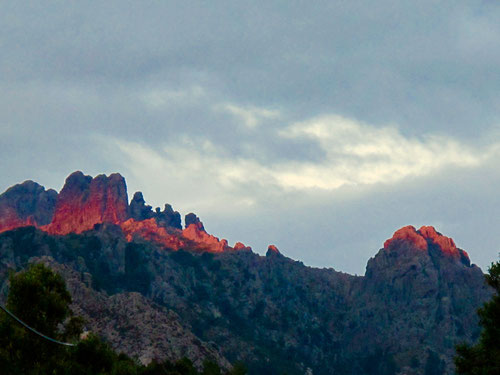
{"x": 157, "y": 291}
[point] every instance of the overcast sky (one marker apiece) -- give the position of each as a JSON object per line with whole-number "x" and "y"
{"x": 321, "y": 127}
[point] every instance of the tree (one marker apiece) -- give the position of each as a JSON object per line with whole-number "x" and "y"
{"x": 38, "y": 297}
{"x": 484, "y": 357}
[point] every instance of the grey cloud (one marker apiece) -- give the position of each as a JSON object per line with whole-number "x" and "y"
{"x": 74, "y": 77}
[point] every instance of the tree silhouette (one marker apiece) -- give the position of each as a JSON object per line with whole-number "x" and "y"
{"x": 484, "y": 357}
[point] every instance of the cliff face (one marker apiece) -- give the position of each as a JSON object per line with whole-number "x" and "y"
{"x": 85, "y": 201}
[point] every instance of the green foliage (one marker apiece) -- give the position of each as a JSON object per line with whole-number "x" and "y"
{"x": 484, "y": 357}
{"x": 38, "y": 297}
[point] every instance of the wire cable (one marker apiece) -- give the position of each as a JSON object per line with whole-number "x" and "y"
{"x": 34, "y": 330}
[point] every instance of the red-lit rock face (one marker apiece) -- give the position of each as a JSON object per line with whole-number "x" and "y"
{"x": 85, "y": 201}
{"x": 240, "y": 246}
{"x": 421, "y": 239}
{"x": 273, "y": 248}
{"x": 272, "y": 251}
{"x": 446, "y": 244}
{"x": 9, "y": 220}
{"x": 150, "y": 231}
{"x": 26, "y": 204}
{"x": 408, "y": 234}
{"x": 204, "y": 240}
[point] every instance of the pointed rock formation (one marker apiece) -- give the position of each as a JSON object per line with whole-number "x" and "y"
{"x": 194, "y": 220}
{"x": 168, "y": 217}
{"x": 138, "y": 208}
{"x": 85, "y": 201}
{"x": 272, "y": 251}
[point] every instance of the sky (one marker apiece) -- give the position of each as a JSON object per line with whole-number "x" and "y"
{"x": 321, "y": 127}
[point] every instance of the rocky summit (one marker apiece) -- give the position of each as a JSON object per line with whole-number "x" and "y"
{"x": 85, "y": 202}
{"x": 156, "y": 290}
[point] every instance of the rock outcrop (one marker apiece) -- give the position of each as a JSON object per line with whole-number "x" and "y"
{"x": 425, "y": 239}
{"x": 85, "y": 201}
{"x": 192, "y": 219}
{"x": 272, "y": 250}
{"x": 138, "y": 208}
{"x": 150, "y": 231}
{"x": 26, "y": 204}
{"x": 203, "y": 240}
{"x": 166, "y": 218}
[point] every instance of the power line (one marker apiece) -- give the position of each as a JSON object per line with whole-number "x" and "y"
{"x": 34, "y": 330}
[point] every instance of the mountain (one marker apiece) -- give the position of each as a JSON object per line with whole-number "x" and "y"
{"x": 155, "y": 290}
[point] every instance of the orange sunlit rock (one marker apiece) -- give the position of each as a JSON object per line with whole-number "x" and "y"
{"x": 240, "y": 246}
{"x": 26, "y": 204}
{"x": 9, "y": 220}
{"x": 204, "y": 240}
{"x": 446, "y": 244}
{"x": 149, "y": 230}
{"x": 273, "y": 249}
{"x": 408, "y": 234}
{"x": 426, "y": 235}
{"x": 85, "y": 201}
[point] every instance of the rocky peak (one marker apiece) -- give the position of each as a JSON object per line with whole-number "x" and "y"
{"x": 411, "y": 253}
{"x": 239, "y": 246}
{"x": 195, "y": 220}
{"x": 425, "y": 238}
{"x": 138, "y": 208}
{"x": 272, "y": 250}
{"x": 168, "y": 217}
{"x": 85, "y": 201}
{"x": 26, "y": 204}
